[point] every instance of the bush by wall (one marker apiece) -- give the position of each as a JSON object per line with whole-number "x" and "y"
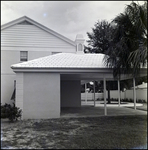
{"x": 10, "y": 112}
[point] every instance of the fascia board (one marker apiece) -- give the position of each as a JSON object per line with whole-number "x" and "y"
{"x": 11, "y": 23}
{"x": 64, "y": 70}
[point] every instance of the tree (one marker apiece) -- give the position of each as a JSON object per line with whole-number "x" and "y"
{"x": 138, "y": 16}
{"x": 124, "y": 41}
{"x": 99, "y": 41}
{"x": 128, "y": 49}
{"x": 100, "y": 37}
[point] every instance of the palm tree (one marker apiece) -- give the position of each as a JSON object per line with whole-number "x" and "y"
{"x": 129, "y": 45}
{"x": 138, "y": 16}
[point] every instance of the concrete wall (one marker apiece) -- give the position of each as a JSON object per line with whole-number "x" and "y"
{"x": 41, "y": 95}
{"x": 19, "y": 90}
{"x": 70, "y": 93}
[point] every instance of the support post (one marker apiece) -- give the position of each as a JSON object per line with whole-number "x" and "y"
{"x": 134, "y": 93}
{"x": 105, "y": 109}
{"x": 118, "y": 92}
{"x": 85, "y": 93}
{"x": 94, "y": 95}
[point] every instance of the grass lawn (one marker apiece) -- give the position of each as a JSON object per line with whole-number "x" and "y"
{"x": 104, "y": 132}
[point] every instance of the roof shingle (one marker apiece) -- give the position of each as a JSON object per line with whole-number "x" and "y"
{"x": 65, "y": 60}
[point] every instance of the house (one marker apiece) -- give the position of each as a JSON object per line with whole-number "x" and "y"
{"x": 25, "y": 39}
{"x": 46, "y": 84}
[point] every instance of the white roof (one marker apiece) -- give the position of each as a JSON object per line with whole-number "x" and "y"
{"x": 65, "y": 60}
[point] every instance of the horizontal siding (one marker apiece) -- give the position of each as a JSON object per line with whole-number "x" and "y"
{"x": 30, "y": 35}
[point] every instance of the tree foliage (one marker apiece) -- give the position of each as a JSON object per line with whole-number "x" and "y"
{"x": 124, "y": 40}
{"x": 100, "y": 37}
{"x": 128, "y": 48}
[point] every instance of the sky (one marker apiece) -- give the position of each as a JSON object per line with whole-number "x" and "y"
{"x": 68, "y": 18}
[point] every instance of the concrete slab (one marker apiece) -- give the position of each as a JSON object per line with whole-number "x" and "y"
{"x": 90, "y": 110}
{"x": 113, "y": 104}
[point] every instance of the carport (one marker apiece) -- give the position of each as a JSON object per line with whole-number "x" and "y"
{"x": 46, "y": 84}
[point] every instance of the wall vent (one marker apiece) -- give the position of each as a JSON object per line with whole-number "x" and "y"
{"x": 25, "y": 23}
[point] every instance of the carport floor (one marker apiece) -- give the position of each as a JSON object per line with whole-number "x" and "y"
{"x": 89, "y": 111}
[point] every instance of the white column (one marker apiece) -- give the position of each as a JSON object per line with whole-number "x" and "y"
{"x": 118, "y": 92}
{"x": 94, "y": 95}
{"x": 105, "y": 109}
{"x": 134, "y": 93}
{"x": 85, "y": 93}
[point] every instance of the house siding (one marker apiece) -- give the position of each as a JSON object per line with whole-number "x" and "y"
{"x": 30, "y": 36}
{"x": 36, "y": 41}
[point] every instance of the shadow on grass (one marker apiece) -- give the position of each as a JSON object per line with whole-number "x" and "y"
{"x": 107, "y": 132}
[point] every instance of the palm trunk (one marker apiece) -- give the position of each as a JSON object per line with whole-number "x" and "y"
{"x": 109, "y": 100}
{"x": 108, "y": 89}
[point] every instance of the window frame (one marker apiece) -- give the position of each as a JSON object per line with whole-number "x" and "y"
{"x": 23, "y": 56}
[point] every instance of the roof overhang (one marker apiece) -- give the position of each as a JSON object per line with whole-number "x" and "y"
{"x": 73, "y": 66}
{"x": 81, "y": 73}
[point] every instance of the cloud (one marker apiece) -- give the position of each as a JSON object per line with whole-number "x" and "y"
{"x": 65, "y": 17}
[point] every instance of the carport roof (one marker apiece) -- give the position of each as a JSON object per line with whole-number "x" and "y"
{"x": 65, "y": 60}
{"x": 72, "y": 66}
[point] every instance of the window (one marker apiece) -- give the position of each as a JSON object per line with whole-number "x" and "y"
{"x": 23, "y": 55}
{"x": 80, "y": 47}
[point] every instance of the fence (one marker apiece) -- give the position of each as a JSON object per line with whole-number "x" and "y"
{"x": 140, "y": 94}
{"x": 90, "y": 96}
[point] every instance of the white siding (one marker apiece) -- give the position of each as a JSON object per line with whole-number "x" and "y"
{"x": 30, "y": 36}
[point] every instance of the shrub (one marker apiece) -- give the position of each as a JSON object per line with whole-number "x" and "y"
{"x": 10, "y": 112}
{"x": 112, "y": 99}
{"x": 139, "y": 101}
